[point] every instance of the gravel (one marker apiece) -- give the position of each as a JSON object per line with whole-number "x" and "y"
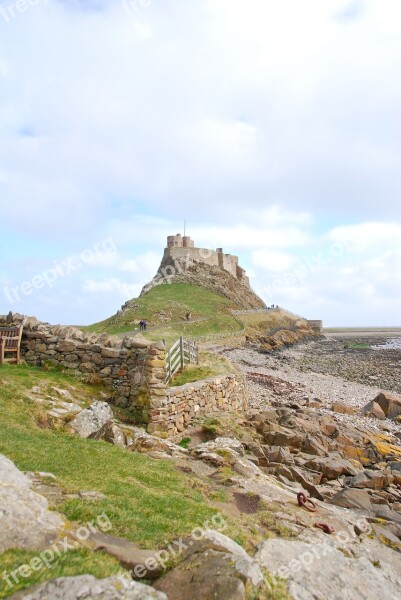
{"x": 291, "y": 383}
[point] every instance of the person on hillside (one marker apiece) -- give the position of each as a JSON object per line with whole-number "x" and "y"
{"x": 144, "y": 324}
{"x": 141, "y": 325}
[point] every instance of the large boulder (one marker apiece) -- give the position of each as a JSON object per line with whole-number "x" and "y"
{"x": 92, "y": 419}
{"x": 282, "y": 436}
{"x": 278, "y": 454}
{"x": 344, "y": 409}
{"x": 213, "y": 567}
{"x": 352, "y": 498}
{"x": 389, "y": 404}
{"x": 375, "y": 480}
{"x": 140, "y": 441}
{"x": 373, "y": 409}
{"x": 142, "y": 563}
{"x": 220, "y": 443}
{"x": 112, "y": 433}
{"x": 25, "y": 520}
{"x": 314, "y": 444}
{"x": 331, "y": 467}
{"x": 320, "y": 571}
{"x": 86, "y": 586}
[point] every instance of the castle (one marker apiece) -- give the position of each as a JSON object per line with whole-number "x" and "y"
{"x": 182, "y": 248}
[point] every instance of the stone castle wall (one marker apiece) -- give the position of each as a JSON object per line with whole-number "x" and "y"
{"x": 208, "y": 257}
{"x": 228, "y": 262}
{"x": 316, "y": 325}
{"x": 183, "y": 249}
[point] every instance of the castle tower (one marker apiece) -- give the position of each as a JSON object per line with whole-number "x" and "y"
{"x": 220, "y": 257}
{"x": 175, "y": 241}
{"x": 187, "y": 242}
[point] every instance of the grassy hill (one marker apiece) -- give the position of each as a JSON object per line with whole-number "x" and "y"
{"x": 164, "y": 307}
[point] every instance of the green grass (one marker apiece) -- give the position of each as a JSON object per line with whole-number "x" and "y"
{"x": 165, "y": 306}
{"x": 210, "y": 365}
{"x": 71, "y": 563}
{"x": 358, "y": 345}
{"x": 147, "y": 501}
{"x": 190, "y": 374}
{"x": 184, "y": 443}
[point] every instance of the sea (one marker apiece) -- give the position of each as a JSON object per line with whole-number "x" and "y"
{"x": 390, "y": 344}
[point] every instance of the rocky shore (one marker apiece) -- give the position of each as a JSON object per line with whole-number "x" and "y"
{"x": 343, "y": 370}
{"x": 307, "y": 479}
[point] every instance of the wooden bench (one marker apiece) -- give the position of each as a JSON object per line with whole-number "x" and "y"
{"x": 10, "y": 340}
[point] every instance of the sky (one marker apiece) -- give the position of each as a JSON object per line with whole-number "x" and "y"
{"x": 272, "y": 128}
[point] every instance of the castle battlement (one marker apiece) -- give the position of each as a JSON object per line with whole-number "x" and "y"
{"x": 183, "y": 248}
{"x": 179, "y": 241}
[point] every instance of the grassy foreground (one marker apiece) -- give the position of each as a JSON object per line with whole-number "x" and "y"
{"x": 147, "y": 501}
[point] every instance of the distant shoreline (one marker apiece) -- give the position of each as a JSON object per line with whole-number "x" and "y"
{"x": 362, "y": 331}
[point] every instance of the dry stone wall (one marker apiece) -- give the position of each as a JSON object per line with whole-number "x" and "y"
{"x": 172, "y": 411}
{"x": 135, "y": 369}
{"x": 129, "y": 366}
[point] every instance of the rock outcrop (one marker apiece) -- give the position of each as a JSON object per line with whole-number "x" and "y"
{"x": 25, "y": 519}
{"x": 214, "y": 567}
{"x": 384, "y": 406}
{"x": 86, "y": 586}
{"x": 321, "y": 571}
{"x": 91, "y": 420}
{"x": 213, "y": 278}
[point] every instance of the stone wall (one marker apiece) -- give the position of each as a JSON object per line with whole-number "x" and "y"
{"x": 316, "y": 325}
{"x": 213, "y": 258}
{"x": 131, "y": 367}
{"x": 229, "y": 262}
{"x": 172, "y": 411}
{"x": 134, "y": 369}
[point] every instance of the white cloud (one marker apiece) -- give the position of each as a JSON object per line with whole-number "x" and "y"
{"x": 120, "y": 289}
{"x": 245, "y": 236}
{"x": 342, "y": 291}
{"x": 269, "y": 260}
{"x": 142, "y": 265}
{"x": 363, "y": 237}
{"x": 262, "y": 123}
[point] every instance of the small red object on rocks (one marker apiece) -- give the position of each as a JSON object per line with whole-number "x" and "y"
{"x": 306, "y": 502}
{"x": 326, "y": 528}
